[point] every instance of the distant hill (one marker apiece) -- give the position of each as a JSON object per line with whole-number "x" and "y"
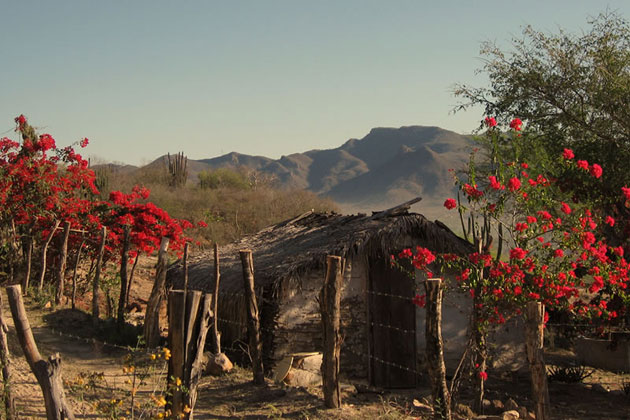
{"x": 384, "y": 168}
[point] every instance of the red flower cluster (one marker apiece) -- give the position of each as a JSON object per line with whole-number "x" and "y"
{"x": 450, "y": 203}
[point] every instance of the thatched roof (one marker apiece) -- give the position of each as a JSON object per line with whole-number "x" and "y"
{"x": 288, "y": 249}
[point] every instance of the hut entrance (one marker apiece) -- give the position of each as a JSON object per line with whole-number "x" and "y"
{"x": 392, "y": 318}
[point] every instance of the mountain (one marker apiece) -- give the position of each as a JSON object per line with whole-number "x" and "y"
{"x": 386, "y": 167}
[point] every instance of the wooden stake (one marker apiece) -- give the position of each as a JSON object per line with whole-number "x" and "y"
{"x": 44, "y": 252}
{"x": 329, "y": 304}
{"x": 435, "y": 349}
{"x": 97, "y": 277}
{"x": 253, "y": 321}
{"x": 215, "y": 335}
{"x": 185, "y": 266}
{"x": 534, "y": 328}
{"x": 48, "y": 373}
{"x": 189, "y": 320}
{"x": 152, "y": 316}
{"x": 63, "y": 256}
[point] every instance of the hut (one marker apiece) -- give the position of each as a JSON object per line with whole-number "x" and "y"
{"x": 380, "y": 323}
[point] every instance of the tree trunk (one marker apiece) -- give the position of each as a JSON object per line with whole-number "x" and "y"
{"x": 97, "y": 277}
{"x": 215, "y": 335}
{"x": 63, "y": 256}
{"x": 48, "y": 373}
{"x": 253, "y": 321}
{"x": 534, "y": 329}
{"x": 124, "y": 258}
{"x": 329, "y": 304}
{"x": 28, "y": 263}
{"x": 152, "y": 316}
{"x": 133, "y": 271}
{"x": 74, "y": 274}
{"x": 9, "y": 402}
{"x": 42, "y": 274}
{"x": 479, "y": 355}
{"x": 435, "y": 349}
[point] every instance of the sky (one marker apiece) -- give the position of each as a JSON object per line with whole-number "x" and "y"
{"x": 143, "y": 78}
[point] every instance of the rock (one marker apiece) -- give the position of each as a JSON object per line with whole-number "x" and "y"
{"x": 600, "y": 388}
{"x": 464, "y": 410}
{"x": 48, "y": 305}
{"x": 217, "y": 364}
{"x": 510, "y": 404}
{"x": 531, "y": 416}
{"x": 497, "y": 406}
{"x": 486, "y": 405}
{"x": 510, "y": 415}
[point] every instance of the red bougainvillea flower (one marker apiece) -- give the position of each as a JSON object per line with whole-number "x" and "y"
{"x": 420, "y": 301}
{"x": 494, "y": 184}
{"x": 565, "y": 208}
{"x": 84, "y": 142}
{"x": 472, "y": 191}
{"x": 490, "y": 122}
{"x": 483, "y": 375}
{"x": 450, "y": 203}
{"x": 517, "y": 253}
{"x": 558, "y": 253}
{"x": 582, "y": 164}
{"x": 21, "y": 120}
{"x": 202, "y": 224}
{"x": 568, "y": 154}
{"x": 514, "y": 184}
{"x": 516, "y": 124}
{"x": 626, "y": 192}
{"x": 596, "y": 170}
{"x": 610, "y": 221}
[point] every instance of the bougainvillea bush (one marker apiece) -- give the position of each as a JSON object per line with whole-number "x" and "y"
{"x": 534, "y": 239}
{"x": 44, "y": 187}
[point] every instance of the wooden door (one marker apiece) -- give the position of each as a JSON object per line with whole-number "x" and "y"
{"x": 392, "y": 321}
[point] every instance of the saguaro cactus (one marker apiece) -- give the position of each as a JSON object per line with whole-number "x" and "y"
{"x": 177, "y": 169}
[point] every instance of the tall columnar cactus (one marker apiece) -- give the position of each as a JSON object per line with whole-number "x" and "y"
{"x": 177, "y": 169}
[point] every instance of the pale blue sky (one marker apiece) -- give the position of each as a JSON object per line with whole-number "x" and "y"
{"x": 142, "y": 78}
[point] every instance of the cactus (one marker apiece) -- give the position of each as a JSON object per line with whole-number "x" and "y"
{"x": 177, "y": 169}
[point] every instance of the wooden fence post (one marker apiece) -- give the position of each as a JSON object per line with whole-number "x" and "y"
{"x": 329, "y": 304}
{"x": 61, "y": 269}
{"x": 152, "y": 315}
{"x": 534, "y": 330}
{"x": 215, "y": 335}
{"x": 253, "y": 321}
{"x": 48, "y": 373}
{"x": 188, "y": 323}
{"x": 435, "y": 349}
{"x": 9, "y": 402}
{"x": 97, "y": 277}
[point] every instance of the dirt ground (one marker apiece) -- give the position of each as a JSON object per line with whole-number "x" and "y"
{"x": 95, "y": 375}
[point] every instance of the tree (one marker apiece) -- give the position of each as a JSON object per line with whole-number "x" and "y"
{"x": 573, "y": 90}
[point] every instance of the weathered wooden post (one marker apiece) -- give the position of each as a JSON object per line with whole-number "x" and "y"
{"x": 97, "y": 277}
{"x": 215, "y": 335}
{"x": 124, "y": 258}
{"x": 48, "y": 373}
{"x": 9, "y": 402}
{"x": 185, "y": 265}
{"x": 253, "y": 321}
{"x": 45, "y": 245}
{"x": 435, "y": 349}
{"x": 61, "y": 269}
{"x": 329, "y": 304}
{"x": 534, "y": 330}
{"x": 152, "y": 316}
{"x": 189, "y": 318}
